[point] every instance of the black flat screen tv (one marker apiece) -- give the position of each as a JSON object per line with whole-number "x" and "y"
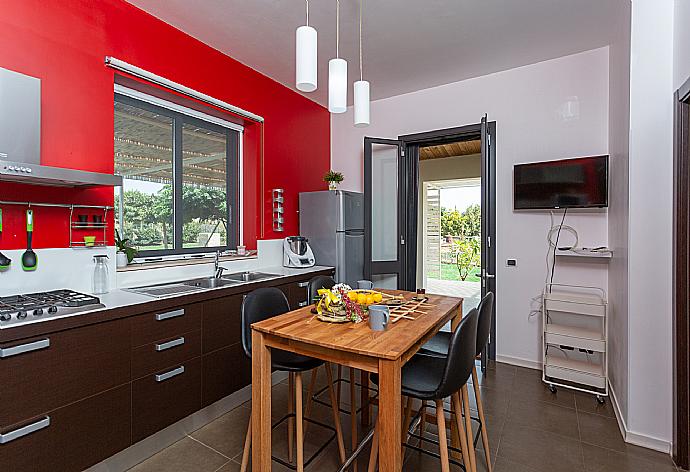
{"x": 567, "y": 183}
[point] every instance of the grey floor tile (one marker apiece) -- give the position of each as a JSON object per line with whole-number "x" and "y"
{"x": 528, "y": 386}
{"x": 598, "y": 459}
{"x": 230, "y": 466}
{"x": 587, "y": 403}
{"x": 227, "y": 433}
{"x": 186, "y": 455}
{"x": 504, "y": 465}
{"x": 601, "y": 431}
{"x": 544, "y": 416}
{"x": 540, "y": 450}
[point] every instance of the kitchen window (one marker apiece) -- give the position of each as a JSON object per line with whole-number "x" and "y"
{"x": 180, "y": 170}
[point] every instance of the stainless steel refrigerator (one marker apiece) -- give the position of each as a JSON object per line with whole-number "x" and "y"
{"x": 333, "y": 221}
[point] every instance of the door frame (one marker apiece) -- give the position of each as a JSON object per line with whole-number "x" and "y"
{"x": 411, "y": 144}
{"x": 681, "y": 277}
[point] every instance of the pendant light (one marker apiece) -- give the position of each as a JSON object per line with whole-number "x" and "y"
{"x": 306, "y": 56}
{"x": 361, "y": 86}
{"x": 337, "y": 73}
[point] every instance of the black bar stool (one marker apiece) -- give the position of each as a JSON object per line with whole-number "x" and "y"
{"x": 266, "y": 303}
{"x": 438, "y": 346}
{"x": 432, "y": 378}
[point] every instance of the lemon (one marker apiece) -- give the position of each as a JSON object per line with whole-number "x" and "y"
{"x": 352, "y": 295}
{"x": 361, "y": 298}
{"x": 378, "y": 297}
{"x": 370, "y": 299}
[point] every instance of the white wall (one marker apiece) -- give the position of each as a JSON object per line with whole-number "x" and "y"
{"x": 650, "y": 223}
{"x": 619, "y": 134}
{"x": 681, "y": 43}
{"x": 526, "y": 104}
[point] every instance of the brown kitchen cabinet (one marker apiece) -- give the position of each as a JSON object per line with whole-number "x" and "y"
{"x": 84, "y": 393}
{"x": 161, "y": 399}
{"x": 73, "y": 437}
{"x": 44, "y": 373}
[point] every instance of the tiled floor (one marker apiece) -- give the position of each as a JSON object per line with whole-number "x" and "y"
{"x": 530, "y": 430}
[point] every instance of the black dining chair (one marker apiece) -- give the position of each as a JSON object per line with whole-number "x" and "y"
{"x": 438, "y": 347}
{"x": 432, "y": 378}
{"x": 260, "y": 305}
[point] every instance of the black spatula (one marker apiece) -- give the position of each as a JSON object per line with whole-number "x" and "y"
{"x": 4, "y": 260}
{"x": 29, "y": 258}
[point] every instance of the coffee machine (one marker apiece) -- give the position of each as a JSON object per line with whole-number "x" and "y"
{"x": 297, "y": 253}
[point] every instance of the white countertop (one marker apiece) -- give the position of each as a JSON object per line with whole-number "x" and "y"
{"x": 122, "y": 297}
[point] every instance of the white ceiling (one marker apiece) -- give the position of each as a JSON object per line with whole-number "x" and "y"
{"x": 408, "y": 45}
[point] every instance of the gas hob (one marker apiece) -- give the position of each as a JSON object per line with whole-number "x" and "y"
{"x": 29, "y": 308}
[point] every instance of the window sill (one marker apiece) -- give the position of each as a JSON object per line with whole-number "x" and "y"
{"x": 183, "y": 262}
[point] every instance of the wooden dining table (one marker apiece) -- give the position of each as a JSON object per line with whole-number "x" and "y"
{"x": 352, "y": 345}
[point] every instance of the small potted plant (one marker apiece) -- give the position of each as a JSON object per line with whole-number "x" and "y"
{"x": 333, "y": 179}
{"x": 125, "y": 251}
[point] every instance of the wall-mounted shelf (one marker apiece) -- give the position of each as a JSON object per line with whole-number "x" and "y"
{"x": 582, "y": 253}
{"x": 100, "y": 226}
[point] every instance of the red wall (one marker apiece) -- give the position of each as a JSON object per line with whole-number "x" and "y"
{"x": 64, "y": 43}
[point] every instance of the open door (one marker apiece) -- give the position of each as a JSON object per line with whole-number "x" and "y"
{"x": 488, "y": 224}
{"x": 384, "y": 215}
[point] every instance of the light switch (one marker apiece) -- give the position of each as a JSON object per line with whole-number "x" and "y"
{"x": 511, "y": 262}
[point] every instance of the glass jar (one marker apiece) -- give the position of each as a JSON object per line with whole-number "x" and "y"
{"x": 100, "y": 275}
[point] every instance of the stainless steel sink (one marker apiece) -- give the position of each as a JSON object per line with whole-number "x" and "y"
{"x": 249, "y": 276}
{"x": 209, "y": 282}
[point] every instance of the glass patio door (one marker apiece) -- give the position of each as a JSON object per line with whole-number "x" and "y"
{"x": 383, "y": 217}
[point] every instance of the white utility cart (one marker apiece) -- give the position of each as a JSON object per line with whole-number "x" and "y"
{"x": 575, "y": 339}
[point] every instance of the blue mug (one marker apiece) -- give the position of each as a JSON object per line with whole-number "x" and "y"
{"x": 365, "y": 284}
{"x": 379, "y": 316}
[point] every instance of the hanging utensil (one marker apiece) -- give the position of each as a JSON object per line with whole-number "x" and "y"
{"x": 29, "y": 258}
{"x": 5, "y": 261}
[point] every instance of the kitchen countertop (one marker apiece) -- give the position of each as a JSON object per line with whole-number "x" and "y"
{"x": 119, "y": 301}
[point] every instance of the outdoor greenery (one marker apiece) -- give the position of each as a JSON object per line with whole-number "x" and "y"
{"x": 450, "y": 272}
{"x": 462, "y": 231}
{"x": 149, "y": 217}
{"x": 465, "y": 224}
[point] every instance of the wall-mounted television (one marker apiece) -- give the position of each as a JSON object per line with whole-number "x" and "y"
{"x": 566, "y": 183}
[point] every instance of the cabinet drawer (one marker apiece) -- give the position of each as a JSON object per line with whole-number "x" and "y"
{"x": 45, "y": 373}
{"x": 224, "y": 372}
{"x": 221, "y": 324}
{"x": 71, "y": 438}
{"x": 160, "y": 399}
{"x": 165, "y": 324}
{"x": 296, "y": 293}
{"x": 167, "y": 352}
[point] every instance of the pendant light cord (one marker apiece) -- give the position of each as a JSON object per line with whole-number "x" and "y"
{"x": 360, "y": 40}
{"x": 337, "y": 28}
{"x": 307, "y": 12}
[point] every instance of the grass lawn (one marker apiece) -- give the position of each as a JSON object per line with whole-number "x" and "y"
{"x": 450, "y": 272}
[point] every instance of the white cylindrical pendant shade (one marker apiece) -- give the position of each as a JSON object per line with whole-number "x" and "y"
{"x": 305, "y": 58}
{"x": 361, "y": 103}
{"x": 337, "y": 85}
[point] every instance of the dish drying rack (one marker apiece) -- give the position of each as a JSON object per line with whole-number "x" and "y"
{"x": 575, "y": 339}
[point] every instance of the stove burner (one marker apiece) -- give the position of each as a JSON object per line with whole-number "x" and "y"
{"x": 56, "y": 302}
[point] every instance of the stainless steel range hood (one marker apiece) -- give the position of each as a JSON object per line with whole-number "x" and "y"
{"x": 20, "y": 138}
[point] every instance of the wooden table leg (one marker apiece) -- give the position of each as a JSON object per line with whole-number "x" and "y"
{"x": 389, "y": 418}
{"x": 364, "y": 398}
{"x": 261, "y": 404}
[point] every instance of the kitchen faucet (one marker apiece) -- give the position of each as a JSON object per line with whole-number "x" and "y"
{"x": 218, "y": 269}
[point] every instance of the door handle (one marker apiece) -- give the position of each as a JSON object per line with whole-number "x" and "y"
{"x": 486, "y": 275}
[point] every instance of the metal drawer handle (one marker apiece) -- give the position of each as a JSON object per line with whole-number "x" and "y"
{"x": 170, "y": 374}
{"x": 170, "y": 314}
{"x": 24, "y": 430}
{"x": 302, "y": 304}
{"x": 22, "y": 348}
{"x": 175, "y": 342}
{"x": 303, "y": 284}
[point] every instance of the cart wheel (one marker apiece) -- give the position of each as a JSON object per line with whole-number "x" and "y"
{"x": 600, "y": 400}
{"x": 552, "y": 388}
